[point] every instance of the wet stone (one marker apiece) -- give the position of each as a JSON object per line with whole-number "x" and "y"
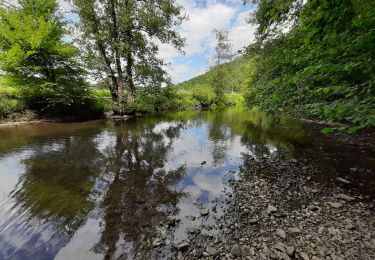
{"x": 180, "y": 245}
{"x": 204, "y": 212}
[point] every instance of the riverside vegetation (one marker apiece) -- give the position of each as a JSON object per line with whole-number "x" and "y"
{"x": 321, "y": 68}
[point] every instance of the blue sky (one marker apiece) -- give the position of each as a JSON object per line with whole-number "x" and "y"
{"x": 204, "y": 17}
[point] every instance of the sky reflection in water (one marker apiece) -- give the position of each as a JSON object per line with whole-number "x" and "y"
{"x": 105, "y": 188}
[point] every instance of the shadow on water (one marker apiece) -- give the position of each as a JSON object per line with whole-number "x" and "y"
{"x": 127, "y": 189}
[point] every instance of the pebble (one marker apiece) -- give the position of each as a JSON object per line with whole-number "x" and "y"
{"x": 281, "y": 233}
{"x": 180, "y": 245}
{"x": 271, "y": 209}
{"x": 204, "y": 212}
{"x": 304, "y": 256}
{"x": 245, "y": 251}
{"x": 342, "y": 180}
{"x": 290, "y": 250}
{"x": 294, "y": 230}
{"x": 236, "y": 250}
{"x": 345, "y": 197}
{"x": 211, "y": 250}
{"x": 335, "y": 205}
{"x": 156, "y": 242}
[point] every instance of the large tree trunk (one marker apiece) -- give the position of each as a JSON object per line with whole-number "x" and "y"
{"x": 129, "y": 76}
{"x": 115, "y": 84}
{"x": 115, "y": 35}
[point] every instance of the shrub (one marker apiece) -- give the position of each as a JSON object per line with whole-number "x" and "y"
{"x": 10, "y": 107}
{"x": 234, "y": 99}
{"x": 204, "y": 94}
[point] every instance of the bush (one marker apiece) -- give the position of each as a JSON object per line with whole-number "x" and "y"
{"x": 10, "y": 107}
{"x": 234, "y": 99}
{"x": 204, "y": 94}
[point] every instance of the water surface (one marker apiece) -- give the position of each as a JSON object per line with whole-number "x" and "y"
{"x": 107, "y": 189}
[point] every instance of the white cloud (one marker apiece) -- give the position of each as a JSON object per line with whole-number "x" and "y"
{"x": 242, "y": 33}
{"x": 198, "y": 30}
{"x": 200, "y": 38}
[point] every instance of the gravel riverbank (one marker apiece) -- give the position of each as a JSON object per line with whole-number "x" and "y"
{"x": 282, "y": 209}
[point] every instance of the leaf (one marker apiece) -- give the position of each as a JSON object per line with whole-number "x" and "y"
{"x": 327, "y": 130}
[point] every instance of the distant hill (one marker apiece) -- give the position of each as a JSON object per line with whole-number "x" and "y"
{"x": 240, "y": 71}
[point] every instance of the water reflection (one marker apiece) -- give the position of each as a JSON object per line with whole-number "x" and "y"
{"x": 108, "y": 189}
{"x": 141, "y": 194}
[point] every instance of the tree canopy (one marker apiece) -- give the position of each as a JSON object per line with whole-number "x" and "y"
{"x": 123, "y": 35}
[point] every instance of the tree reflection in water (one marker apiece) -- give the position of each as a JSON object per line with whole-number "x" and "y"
{"x": 51, "y": 200}
{"x": 127, "y": 178}
{"x": 141, "y": 195}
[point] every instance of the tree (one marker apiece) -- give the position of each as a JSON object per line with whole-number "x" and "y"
{"x": 33, "y": 53}
{"x": 323, "y": 66}
{"x": 223, "y": 54}
{"x": 122, "y": 34}
{"x": 31, "y": 41}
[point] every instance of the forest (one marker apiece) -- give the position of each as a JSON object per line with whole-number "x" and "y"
{"x": 311, "y": 59}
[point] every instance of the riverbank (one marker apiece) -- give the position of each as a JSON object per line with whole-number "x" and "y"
{"x": 282, "y": 209}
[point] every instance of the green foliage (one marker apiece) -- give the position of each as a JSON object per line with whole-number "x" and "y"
{"x": 11, "y": 103}
{"x": 234, "y": 99}
{"x": 42, "y": 70}
{"x": 204, "y": 94}
{"x": 323, "y": 68}
{"x": 10, "y": 107}
{"x": 199, "y": 91}
{"x": 120, "y": 41}
{"x": 31, "y": 43}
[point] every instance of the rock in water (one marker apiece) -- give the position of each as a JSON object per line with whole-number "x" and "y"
{"x": 171, "y": 220}
{"x": 156, "y": 242}
{"x": 204, "y": 212}
{"x": 203, "y": 163}
{"x": 180, "y": 245}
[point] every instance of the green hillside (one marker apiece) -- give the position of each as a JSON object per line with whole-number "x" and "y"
{"x": 240, "y": 72}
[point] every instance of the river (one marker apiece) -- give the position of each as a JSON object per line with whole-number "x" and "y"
{"x": 111, "y": 189}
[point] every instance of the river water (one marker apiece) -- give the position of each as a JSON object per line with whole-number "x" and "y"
{"x": 110, "y": 189}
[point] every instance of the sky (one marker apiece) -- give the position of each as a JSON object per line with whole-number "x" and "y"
{"x": 204, "y": 16}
